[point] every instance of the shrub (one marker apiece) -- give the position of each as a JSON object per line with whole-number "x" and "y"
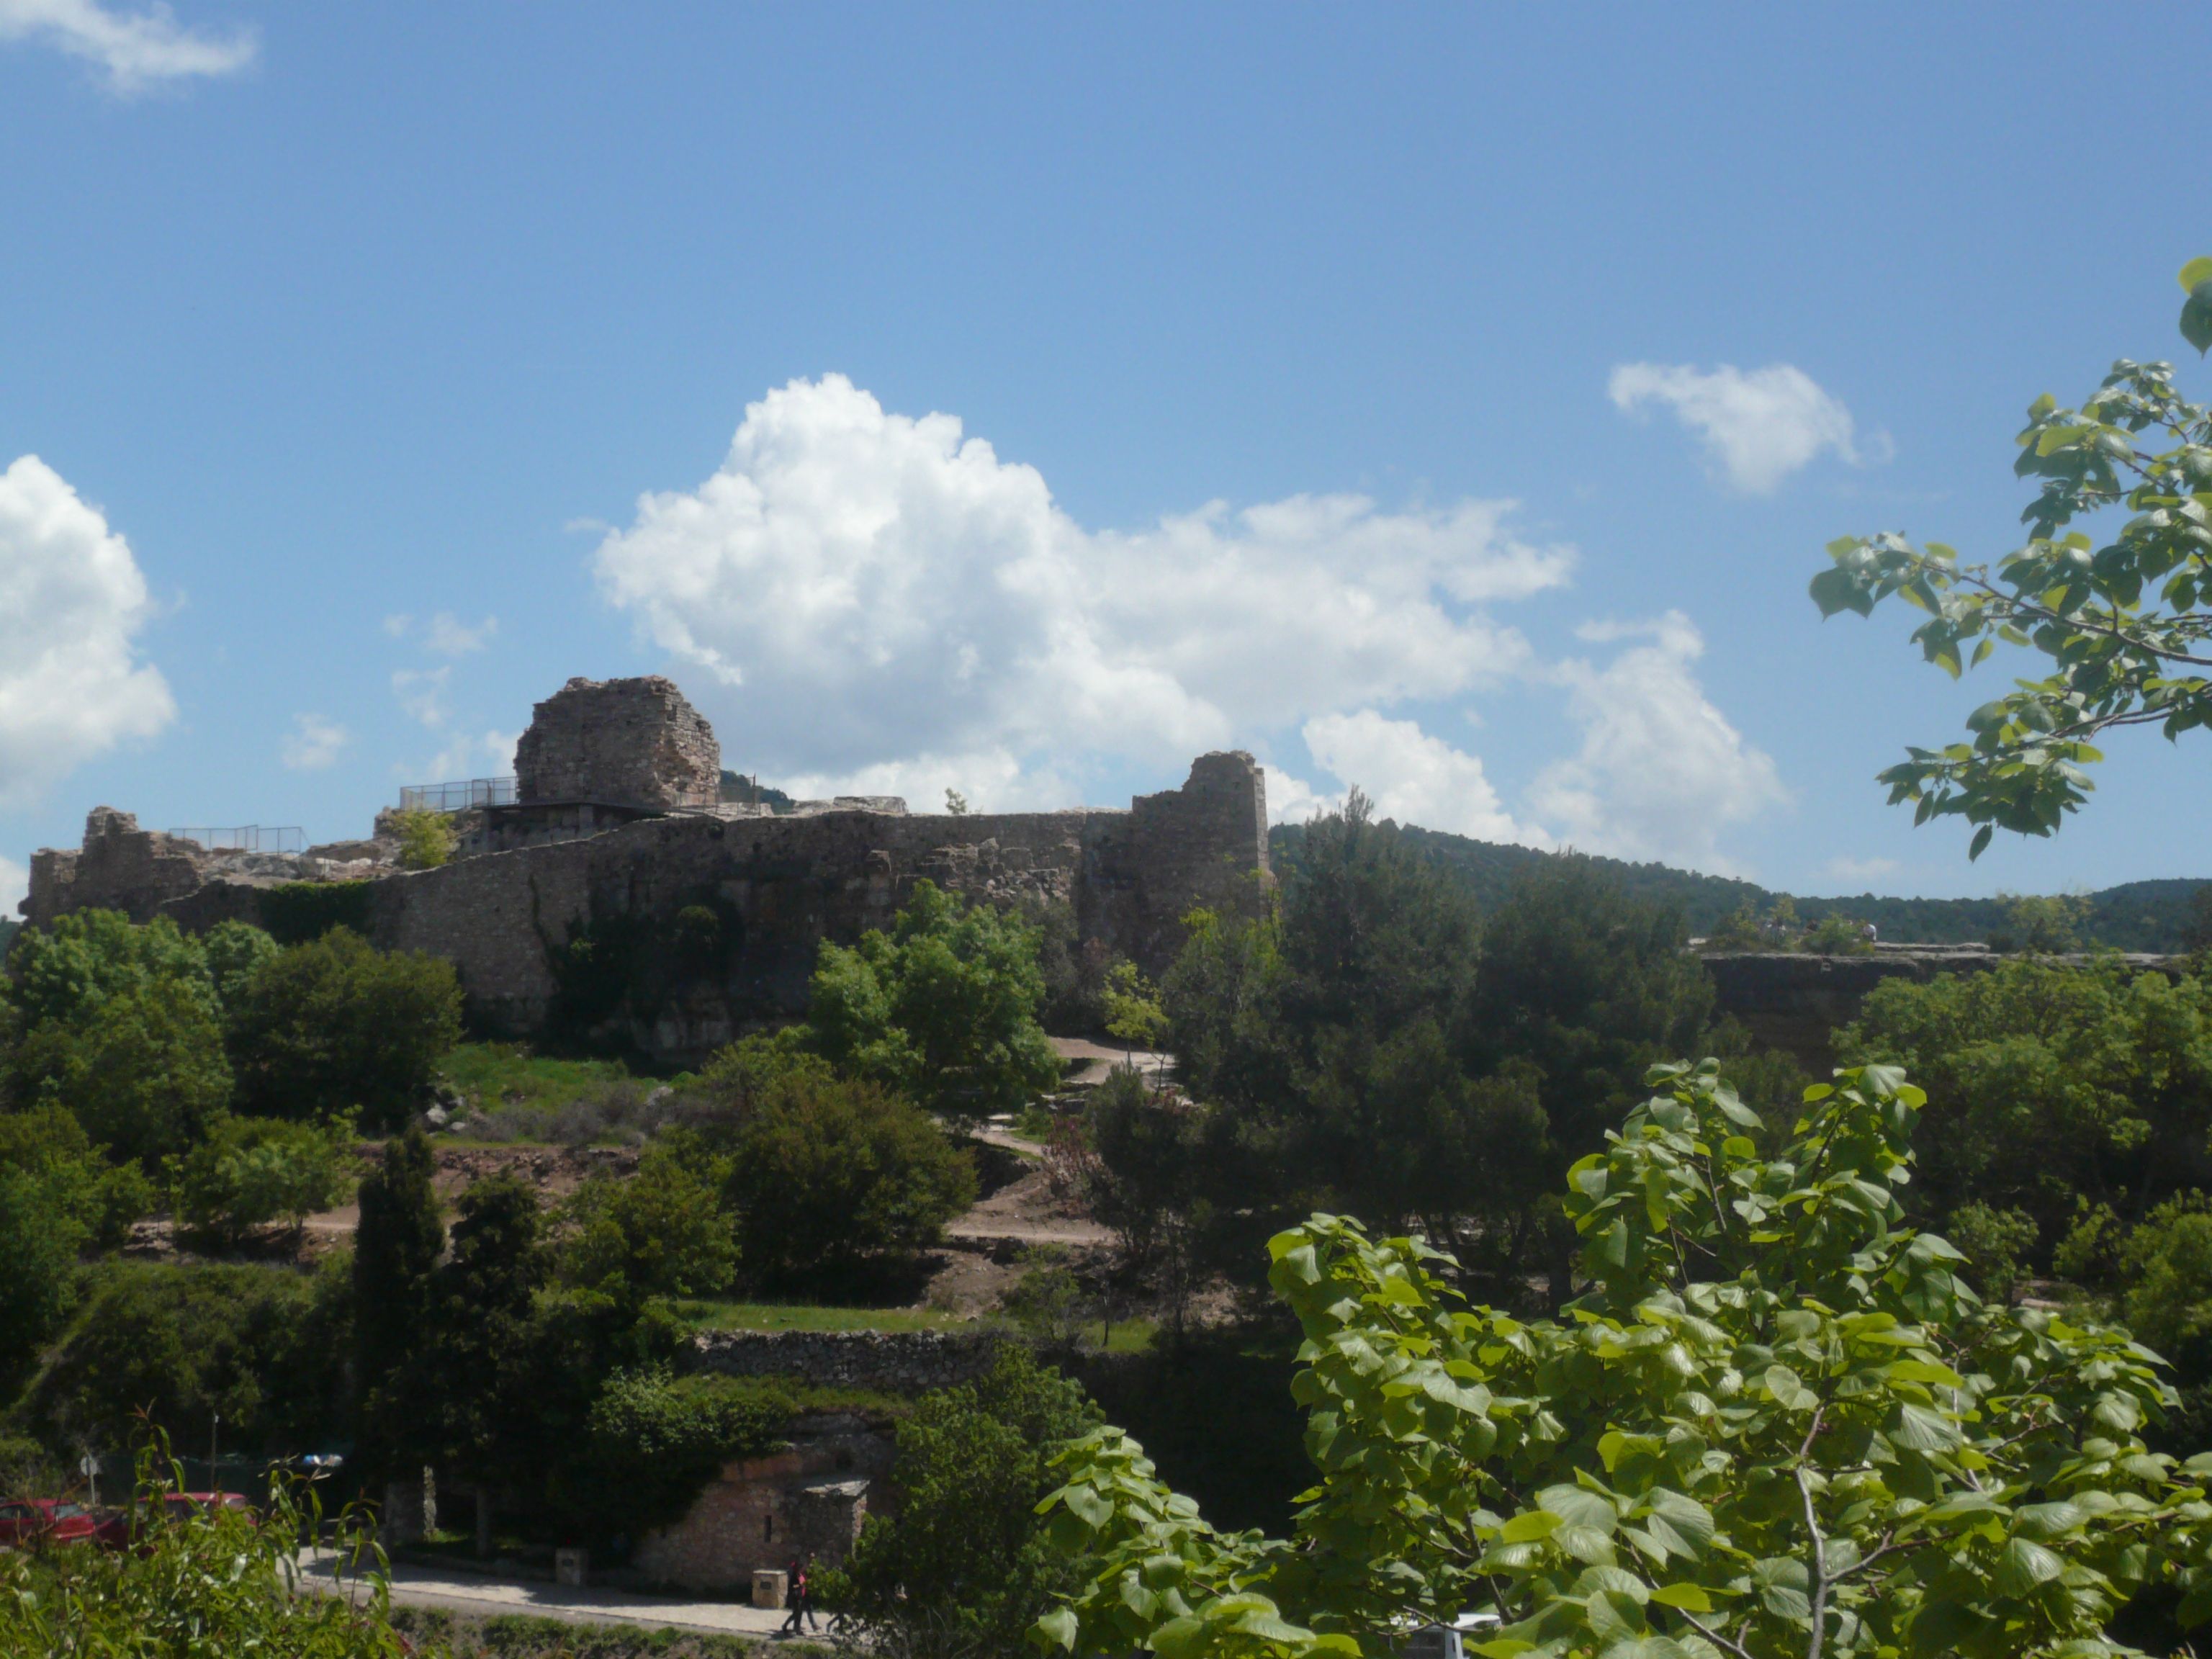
{"x": 828, "y": 1171}
{"x": 426, "y": 838}
{"x": 335, "y": 1024}
{"x": 1837, "y": 936}
{"x": 661, "y": 1232}
{"x": 251, "y": 1171}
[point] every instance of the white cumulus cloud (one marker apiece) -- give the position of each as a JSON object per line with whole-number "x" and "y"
{"x": 1660, "y": 773}
{"x": 1760, "y": 427}
{"x": 136, "y": 48}
{"x": 1410, "y": 775}
{"x": 72, "y": 603}
{"x": 313, "y": 744}
{"x": 884, "y": 599}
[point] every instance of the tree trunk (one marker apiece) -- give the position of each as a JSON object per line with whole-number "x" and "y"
{"x": 483, "y": 1522}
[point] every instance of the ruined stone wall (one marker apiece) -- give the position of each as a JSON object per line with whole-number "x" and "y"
{"x": 891, "y": 1362}
{"x": 635, "y": 741}
{"x": 120, "y": 867}
{"x": 781, "y": 885}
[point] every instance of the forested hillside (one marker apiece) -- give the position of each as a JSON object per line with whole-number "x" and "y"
{"x": 2137, "y": 915}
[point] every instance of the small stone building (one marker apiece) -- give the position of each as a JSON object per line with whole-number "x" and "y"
{"x": 808, "y": 1501}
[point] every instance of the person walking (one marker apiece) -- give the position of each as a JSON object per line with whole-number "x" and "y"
{"x": 802, "y": 1599}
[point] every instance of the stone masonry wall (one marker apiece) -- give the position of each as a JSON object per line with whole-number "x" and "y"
{"x": 137, "y": 871}
{"x": 783, "y": 884}
{"x": 893, "y": 1362}
{"x": 635, "y": 741}
{"x": 808, "y": 1500}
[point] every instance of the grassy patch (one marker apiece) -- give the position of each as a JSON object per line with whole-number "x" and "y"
{"x": 506, "y": 1073}
{"x": 802, "y": 1316}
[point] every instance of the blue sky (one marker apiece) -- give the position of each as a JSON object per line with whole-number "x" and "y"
{"x": 1452, "y": 401}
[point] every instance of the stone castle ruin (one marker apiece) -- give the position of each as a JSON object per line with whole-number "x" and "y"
{"x": 619, "y": 896}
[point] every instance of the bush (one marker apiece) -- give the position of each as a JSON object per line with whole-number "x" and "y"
{"x": 1837, "y": 936}
{"x": 828, "y": 1171}
{"x": 943, "y": 1007}
{"x": 426, "y": 838}
{"x": 336, "y": 1024}
{"x": 661, "y": 1232}
{"x": 251, "y": 1171}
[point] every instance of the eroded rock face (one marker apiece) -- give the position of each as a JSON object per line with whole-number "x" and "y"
{"x": 635, "y": 743}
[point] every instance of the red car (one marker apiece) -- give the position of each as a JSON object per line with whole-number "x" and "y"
{"x": 26, "y": 1522}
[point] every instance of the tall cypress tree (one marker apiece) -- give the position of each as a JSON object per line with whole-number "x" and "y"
{"x": 396, "y": 1251}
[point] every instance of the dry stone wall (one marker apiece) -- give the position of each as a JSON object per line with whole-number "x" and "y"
{"x": 889, "y": 1362}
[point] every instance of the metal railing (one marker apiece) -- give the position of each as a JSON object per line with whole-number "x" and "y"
{"x": 247, "y": 838}
{"x": 457, "y": 797}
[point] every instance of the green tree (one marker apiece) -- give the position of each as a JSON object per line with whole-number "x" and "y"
{"x": 1775, "y": 1423}
{"x": 235, "y": 951}
{"x": 118, "y": 1024}
{"x": 2124, "y": 625}
{"x": 827, "y": 1173}
{"x": 396, "y": 1250}
{"x": 468, "y": 1384}
{"x": 943, "y": 1007}
{"x": 964, "y": 1568}
{"x": 48, "y": 1145}
{"x": 336, "y": 1024}
{"x": 2048, "y": 1083}
{"x": 661, "y": 1231}
{"x": 250, "y": 1171}
{"x": 39, "y": 1241}
{"x": 264, "y": 1346}
{"x": 1582, "y": 988}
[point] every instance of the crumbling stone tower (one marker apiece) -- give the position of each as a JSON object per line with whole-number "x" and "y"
{"x": 620, "y": 742}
